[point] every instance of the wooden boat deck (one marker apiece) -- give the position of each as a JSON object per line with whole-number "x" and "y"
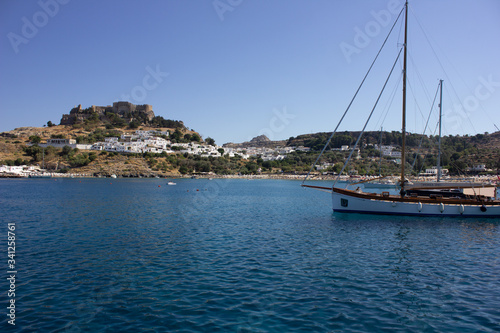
{"x": 385, "y": 196}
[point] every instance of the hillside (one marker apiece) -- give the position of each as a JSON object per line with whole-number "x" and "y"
{"x": 94, "y": 124}
{"x": 14, "y": 148}
{"x": 458, "y": 152}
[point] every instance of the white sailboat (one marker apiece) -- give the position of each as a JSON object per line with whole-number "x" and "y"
{"x": 476, "y": 201}
{"x": 381, "y": 183}
{"x": 438, "y": 184}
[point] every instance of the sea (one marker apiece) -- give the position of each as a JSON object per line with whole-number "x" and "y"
{"x": 234, "y": 255}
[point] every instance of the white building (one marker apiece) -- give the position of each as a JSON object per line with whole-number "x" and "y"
{"x": 433, "y": 172}
{"x": 149, "y": 141}
{"x": 478, "y": 168}
{"x": 396, "y": 154}
{"x": 60, "y": 142}
{"x": 324, "y": 166}
{"x": 21, "y": 170}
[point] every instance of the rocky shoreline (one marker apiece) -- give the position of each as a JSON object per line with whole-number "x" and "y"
{"x": 344, "y": 179}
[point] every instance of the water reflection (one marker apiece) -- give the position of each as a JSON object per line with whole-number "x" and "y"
{"x": 479, "y": 232}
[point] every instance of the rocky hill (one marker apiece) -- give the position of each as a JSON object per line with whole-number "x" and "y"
{"x": 119, "y": 114}
{"x": 260, "y": 141}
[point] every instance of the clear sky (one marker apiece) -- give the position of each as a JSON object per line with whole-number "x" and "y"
{"x": 235, "y": 69}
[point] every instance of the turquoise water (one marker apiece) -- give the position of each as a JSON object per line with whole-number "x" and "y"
{"x": 130, "y": 255}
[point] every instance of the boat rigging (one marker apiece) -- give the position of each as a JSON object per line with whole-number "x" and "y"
{"x": 477, "y": 201}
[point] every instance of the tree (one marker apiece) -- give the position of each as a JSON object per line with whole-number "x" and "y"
{"x": 203, "y": 166}
{"x": 35, "y": 139}
{"x": 183, "y": 169}
{"x": 94, "y": 117}
{"x": 50, "y": 124}
{"x": 210, "y": 141}
{"x": 34, "y": 151}
{"x": 66, "y": 150}
{"x": 195, "y": 137}
{"x": 176, "y": 136}
{"x": 134, "y": 124}
{"x": 337, "y": 168}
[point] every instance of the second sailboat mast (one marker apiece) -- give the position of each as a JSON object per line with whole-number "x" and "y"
{"x": 403, "y": 132}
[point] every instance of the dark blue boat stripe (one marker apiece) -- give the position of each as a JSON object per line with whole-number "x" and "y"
{"x": 409, "y": 214}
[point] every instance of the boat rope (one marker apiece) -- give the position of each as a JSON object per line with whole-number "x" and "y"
{"x": 418, "y": 79}
{"x": 388, "y": 106}
{"x": 368, "y": 120}
{"x": 353, "y": 98}
{"x": 425, "y": 129}
{"x": 426, "y": 36}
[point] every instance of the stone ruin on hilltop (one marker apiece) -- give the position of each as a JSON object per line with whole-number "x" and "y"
{"x": 122, "y": 109}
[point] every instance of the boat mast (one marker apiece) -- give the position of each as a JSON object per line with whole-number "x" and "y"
{"x": 439, "y": 142}
{"x": 403, "y": 145}
{"x": 380, "y": 159}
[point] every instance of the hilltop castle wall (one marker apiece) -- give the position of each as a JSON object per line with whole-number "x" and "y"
{"x": 77, "y": 114}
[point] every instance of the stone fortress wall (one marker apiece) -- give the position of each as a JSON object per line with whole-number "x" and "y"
{"x": 77, "y": 114}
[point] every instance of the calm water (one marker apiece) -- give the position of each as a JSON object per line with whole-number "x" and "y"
{"x": 122, "y": 255}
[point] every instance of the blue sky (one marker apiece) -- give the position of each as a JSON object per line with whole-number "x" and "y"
{"x": 235, "y": 69}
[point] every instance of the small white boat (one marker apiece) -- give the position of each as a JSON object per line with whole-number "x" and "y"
{"x": 171, "y": 183}
{"x": 113, "y": 176}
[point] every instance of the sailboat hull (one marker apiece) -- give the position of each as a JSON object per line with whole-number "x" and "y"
{"x": 345, "y": 203}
